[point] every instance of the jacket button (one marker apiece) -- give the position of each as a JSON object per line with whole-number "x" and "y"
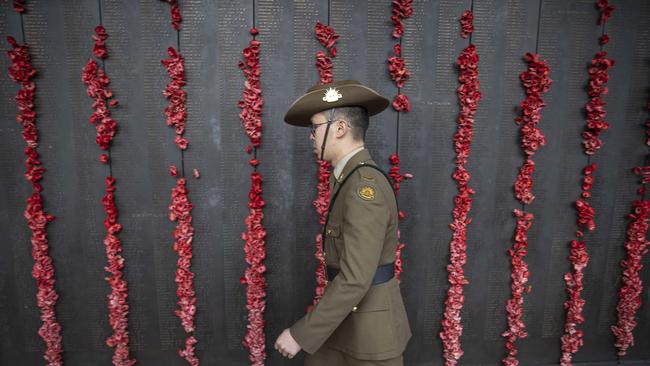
{"x": 354, "y": 308}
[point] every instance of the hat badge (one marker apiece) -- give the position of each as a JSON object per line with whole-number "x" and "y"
{"x": 332, "y": 95}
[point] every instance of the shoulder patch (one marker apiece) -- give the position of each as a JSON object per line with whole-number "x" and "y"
{"x": 366, "y": 192}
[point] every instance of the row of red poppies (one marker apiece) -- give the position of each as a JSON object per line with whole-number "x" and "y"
{"x": 536, "y": 81}
{"x": 469, "y": 95}
{"x": 97, "y": 88}
{"x": 21, "y": 71}
{"x": 401, "y": 9}
{"x": 572, "y": 339}
{"x": 255, "y": 245}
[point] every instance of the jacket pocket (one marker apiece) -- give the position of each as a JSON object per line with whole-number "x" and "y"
{"x": 333, "y": 231}
{"x": 368, "y": 329}
{"x": 331, "y": 243}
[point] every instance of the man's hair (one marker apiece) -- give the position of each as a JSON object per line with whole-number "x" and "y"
{"x": 357, "y": 117}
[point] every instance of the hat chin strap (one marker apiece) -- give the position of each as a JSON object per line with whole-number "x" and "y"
{"x": 330, "y": 119}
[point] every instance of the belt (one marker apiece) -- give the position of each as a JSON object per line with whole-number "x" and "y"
{"x": 383, "y": 274}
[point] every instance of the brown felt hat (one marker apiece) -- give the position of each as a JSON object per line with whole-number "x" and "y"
{"x": 344, "y": 93}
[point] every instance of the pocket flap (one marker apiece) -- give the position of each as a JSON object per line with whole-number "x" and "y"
{"x": 375, "y": 300}
{"x": 333, "y": 230}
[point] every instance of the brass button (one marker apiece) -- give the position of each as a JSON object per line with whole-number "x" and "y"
{"x": 354, "y": 308}
{"x": 324, "y": 254}
{"x": 329, "y": 231}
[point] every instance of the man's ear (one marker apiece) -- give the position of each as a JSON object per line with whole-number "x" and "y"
{"x": 341, "y": 128}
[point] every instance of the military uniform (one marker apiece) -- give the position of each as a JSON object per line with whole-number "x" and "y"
{"x": 356, "y": 321}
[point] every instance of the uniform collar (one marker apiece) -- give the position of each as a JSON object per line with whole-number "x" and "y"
{"x": 348, "y": 162}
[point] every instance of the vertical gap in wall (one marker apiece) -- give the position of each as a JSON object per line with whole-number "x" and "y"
{"x": 329, "y": 7}
{"x": 471, "y": 8}
{"x": 22, "y": 28}
{"x": 539, "y": 26}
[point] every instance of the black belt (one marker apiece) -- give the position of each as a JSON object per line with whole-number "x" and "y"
{"x": 383, "y": 274}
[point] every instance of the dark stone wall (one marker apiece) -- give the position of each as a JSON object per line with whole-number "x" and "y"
{"x": 211, "y": 39}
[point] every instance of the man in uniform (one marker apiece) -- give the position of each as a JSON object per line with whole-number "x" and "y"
{"x": 360, "y": 320}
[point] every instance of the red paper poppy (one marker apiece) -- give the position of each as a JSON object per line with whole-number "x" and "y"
{"x": 401, "y": 9}
{"x": 19, "y": 6}
{"x": 466, "y": 24}
{"x": 100, "y": 37}
{"x": 175, "y": 13}
{"x": 605, "y": 10}
{"x": 327, "y": 37}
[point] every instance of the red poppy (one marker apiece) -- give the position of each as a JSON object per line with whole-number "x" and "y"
{"x": 466, "y": 24}
{"x": 324, "y": 65}
{"x": 327, "y": 37}
{"x": 605, "y": 10}
{"x": 401, "y": 103}
{"x": 401, "y": 9}
{"x": 100, "y": 37}
{"x": 175, "y": 13}
{"x": 397, "y": 69}
{"x": 19, "y": 6}
{"x": 603, "y": 40}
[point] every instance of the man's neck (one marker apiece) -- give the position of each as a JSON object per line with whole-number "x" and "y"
{"x": 345, "y": 152}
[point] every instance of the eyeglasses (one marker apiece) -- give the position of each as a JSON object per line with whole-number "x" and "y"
{"x": 314, "y": 127}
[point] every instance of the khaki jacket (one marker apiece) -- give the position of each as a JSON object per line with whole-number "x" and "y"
{"x": 364, "y": 321}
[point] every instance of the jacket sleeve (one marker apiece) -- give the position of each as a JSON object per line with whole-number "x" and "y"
{"x": 364, "y": 230}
